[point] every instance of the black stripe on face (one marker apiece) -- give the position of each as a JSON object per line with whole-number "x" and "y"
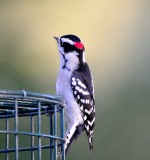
{"x": 68, "y": 47}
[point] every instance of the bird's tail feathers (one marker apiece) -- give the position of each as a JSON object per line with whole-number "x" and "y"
{"x": 90, "y": 141}
{"x": 73, "y": 135}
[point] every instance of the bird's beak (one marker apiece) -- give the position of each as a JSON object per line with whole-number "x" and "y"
{"x": 56, "y": 38}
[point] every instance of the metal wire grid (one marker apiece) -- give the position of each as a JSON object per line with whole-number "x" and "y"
{"x": 15, "y": 105}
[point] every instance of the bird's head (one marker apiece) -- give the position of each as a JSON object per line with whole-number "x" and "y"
{"x": 71, "y": 51}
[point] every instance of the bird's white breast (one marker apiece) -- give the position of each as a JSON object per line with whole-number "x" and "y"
{"x": 63, "y": 82}
{"x": 63, "y": 88}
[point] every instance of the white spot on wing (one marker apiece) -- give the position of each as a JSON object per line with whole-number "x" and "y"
{"x": 73, "y": 79}
{"x": 89, "y": 112}
{"x": 77, "y": 88}
{"x": 80, "y": 90}
{"x": 83, "y": 100}
{"x": 91, "y": 123}
{"x": 78, "y": 96}
{"x": 81, "y": 84}
{"x": 87, "y": 127}
{"x": 87, "y": 101}
{"x": 85, "y": 117}
{"x": 75, "y": 92}
{"x": 91, "y": 132}
{"x": 85, "y": 93}
{"x": 81, "y": 107}
{"x": 74, "y": 83}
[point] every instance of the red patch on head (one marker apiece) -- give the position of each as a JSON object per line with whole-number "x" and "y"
{"x": 79, "y": 45}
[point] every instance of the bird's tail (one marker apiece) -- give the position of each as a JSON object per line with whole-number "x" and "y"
{"x": 90, "y": 141}
{"x": 72, "y": 135}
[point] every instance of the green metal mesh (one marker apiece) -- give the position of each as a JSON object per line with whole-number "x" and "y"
{"x": 31, "y": 126}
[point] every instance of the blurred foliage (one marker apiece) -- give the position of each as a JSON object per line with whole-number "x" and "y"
{"x": 116, "y": 35}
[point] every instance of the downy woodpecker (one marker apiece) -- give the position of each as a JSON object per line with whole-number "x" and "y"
{"x": 75, "y": 85}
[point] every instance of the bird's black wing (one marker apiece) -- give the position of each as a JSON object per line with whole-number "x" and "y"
{"x": 83, "y": 91}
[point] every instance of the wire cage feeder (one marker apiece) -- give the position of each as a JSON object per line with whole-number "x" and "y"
{"x": 31, "y": 126}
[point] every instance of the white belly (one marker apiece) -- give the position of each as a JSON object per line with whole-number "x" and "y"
{"x": 63, "y": 82}
{"x": 63, "y": 88}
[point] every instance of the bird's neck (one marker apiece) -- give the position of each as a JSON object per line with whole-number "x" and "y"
{"x": 70, "y": 61}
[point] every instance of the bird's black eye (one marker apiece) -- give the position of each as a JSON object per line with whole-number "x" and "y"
{"x": 61, "y": 43}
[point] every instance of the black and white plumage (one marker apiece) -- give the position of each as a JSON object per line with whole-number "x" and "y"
{"x": 75, "y": 85}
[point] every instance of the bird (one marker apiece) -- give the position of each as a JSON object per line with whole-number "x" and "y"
{"x": 75, "y": 85}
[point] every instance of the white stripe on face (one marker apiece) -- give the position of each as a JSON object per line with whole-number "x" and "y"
{"x": 67, "y": 40}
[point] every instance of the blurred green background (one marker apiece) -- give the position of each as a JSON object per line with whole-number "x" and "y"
{"x": 116, "y": 35}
